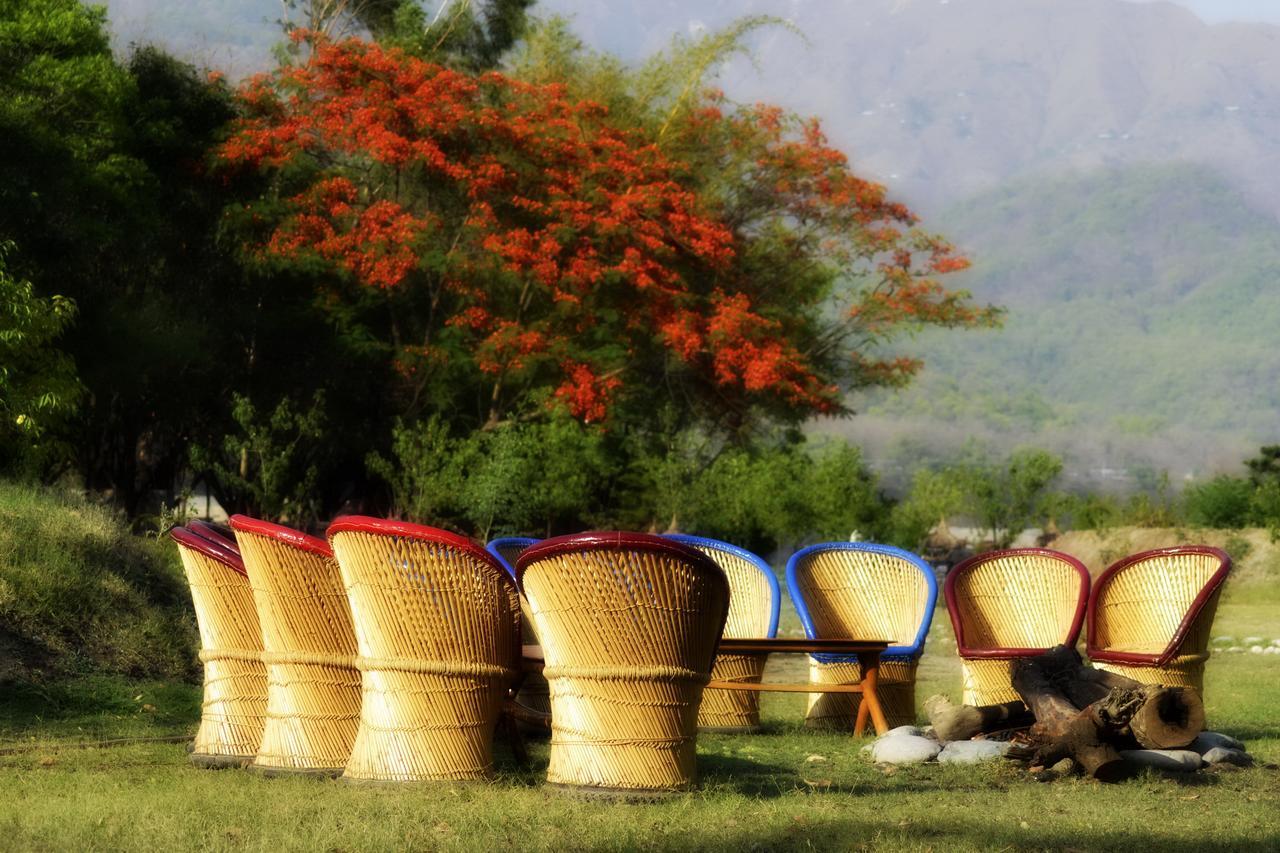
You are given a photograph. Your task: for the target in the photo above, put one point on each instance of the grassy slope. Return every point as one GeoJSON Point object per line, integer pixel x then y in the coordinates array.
{"type": "Point", "coordinates": [758, 792]}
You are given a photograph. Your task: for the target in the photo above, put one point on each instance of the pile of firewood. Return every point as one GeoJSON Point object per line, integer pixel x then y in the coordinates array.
{"type": "Point", "coordinates": [1070, 710]}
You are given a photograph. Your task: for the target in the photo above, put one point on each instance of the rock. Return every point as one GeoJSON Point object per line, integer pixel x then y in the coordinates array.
{"type": "Point", "coordinates": [1276, 643]}
{"type": "Point", "coordinates": [1257, 650]}
{"type": "Point", "coordinates": [1252, 641]}
{"type": "Point", "coordinates": [1206, 741]}
{"type": "Point", "coordinates": [1271, 650]}
{"type": "Point", "coordinates": [1177, 760]}
{"type": "Point", "coordinates": [972, 751]}
{"type": "Point", "coordinates": [906, 749]}
{"type": "Point", "coordinates": [903, 730]}
{"type": "Point", "coordinates": [1225, 755]}
{"type": "Point", "coordinates": [1224, 640]}
{"type": "Point", "coordinates": [1235, 649]}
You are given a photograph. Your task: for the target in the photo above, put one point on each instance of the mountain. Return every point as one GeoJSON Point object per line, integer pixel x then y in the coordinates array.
{"type": "Point", "coordinates": [1142, 307]}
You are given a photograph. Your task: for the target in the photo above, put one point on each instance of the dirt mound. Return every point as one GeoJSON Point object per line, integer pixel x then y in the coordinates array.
{"type": "Point", "coordinates": [1255, 557]}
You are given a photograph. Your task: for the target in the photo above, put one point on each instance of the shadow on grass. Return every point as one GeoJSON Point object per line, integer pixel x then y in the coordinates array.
{"type": "Point", "coordinates": [96, 706]}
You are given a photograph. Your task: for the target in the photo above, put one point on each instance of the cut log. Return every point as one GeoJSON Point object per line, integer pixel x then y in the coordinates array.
{"type": "Point", "coordinates": [961, 722]}
{"type": "Point", "coordinates": [1062, 730]}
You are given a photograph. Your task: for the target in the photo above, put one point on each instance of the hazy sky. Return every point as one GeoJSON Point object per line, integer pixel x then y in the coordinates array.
{"type": "Point", "coordinates": [1215, 11]}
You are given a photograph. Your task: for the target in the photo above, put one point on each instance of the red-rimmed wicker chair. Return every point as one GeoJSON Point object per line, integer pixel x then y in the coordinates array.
{"type": "Point", "coordinates": [629, 624]}
{"type": "Point", "coordinates": [1005, 605]}
{"type": "Point", "coordinates": [235, 679]}
{"type": "Point", "coordinates": [437, 623]}
{"type": "Point", "coordinates": [754, 603]}
{"type": "Point", "coordinates": [313, 686]}
{"type": "Point", "coordinates": [861, 590]}
{"type": "Point", "coordinates": [219, 533]}
{"type": "Point", "coordinates": [1150, 614]}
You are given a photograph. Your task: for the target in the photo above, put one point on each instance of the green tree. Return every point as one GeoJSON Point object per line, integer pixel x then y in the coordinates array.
{"type": "Point", "coordinates": [39, 390]}
{"type": "Point", "coordinates": [1007, 497]}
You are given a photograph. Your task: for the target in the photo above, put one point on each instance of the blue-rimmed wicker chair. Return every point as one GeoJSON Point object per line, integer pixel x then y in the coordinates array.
{"type": "Point", "coordinates": [629, 624]}
{"type": "Point", "coordinates": [1011, 604]}
{"type": "Point", "coordinates": [234, 710]}
{"type": "Point", "coordinates": [313, 686]}
{"type": "Point", "coordinates": [533, 693]}
{"type": "Point", "coordinates": [860, 590]}
{"type": "Point", "coordinates": [754, 602]}
{"type": "Point", "coordinates": [437, 623]}
{"type": "Point", "coordinates": [1150, 614]}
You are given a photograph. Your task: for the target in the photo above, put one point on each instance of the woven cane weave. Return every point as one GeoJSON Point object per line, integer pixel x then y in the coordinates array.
{"type": "Point", "coordinates": [437, 624]}
{"type": "Point", "coordinates": [629, 626]}
{"type": "Point", "coordinates": [313, 686]}
{"type": "Point", "coordinates": [1151, 615]}
{"type": "Point", "coordinates": [859, 590]}
{"type": "Point", "coordinates": [1010, 604]}
{"type": "Point", "coordinates": [233, 713]}
{"type": "Point", "coordinates": [754, 601]}
{"type": "Point", "coordinates": [534, 693]}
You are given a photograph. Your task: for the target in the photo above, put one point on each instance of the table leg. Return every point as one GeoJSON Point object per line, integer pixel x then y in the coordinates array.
{"type": "Point", "coordinates": [869, 663]}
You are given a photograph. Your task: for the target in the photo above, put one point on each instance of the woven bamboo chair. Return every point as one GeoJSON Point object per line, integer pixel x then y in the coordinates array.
{"type": "Point", "coordinates": [313, 686]}
{"type": "Point", "coordinates": [437, 622]}
{"type": "Point", "coordinates": [214, 532]}
{"type": "Point", "coordinates": [754, 602]}
{"type": "Point", "coordinates": [860, 590]}
{"type": "Point", "coordinates": [629, 625]}
{"type": "Point", "coordinates": [234, 710]}
{"type": "Point", "coordinates": [1011, 604]}
{"type": "Point", "coordinates": [534, 693]}
{"type": "Point", "coordinates": [1150, 614]}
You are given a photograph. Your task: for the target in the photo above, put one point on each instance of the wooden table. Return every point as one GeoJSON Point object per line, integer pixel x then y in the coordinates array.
{"type": "Point", "coordinates": [867, 651]}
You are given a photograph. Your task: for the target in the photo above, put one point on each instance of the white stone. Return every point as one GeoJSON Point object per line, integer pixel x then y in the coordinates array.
{"type": "Point", "coordinates": [1276, 643]}
{"type": "Point", "coordinates": [1257, 650]}
{"type": "Point", "coordinates": [1206, 741]}
{"type": "Point", "coordinates": [1224, 640]}
{"type": "Point", "coordinates": [1271, 650]}
{"type": "Point", "coordinates": [1221, 755]}
{"type": "Point", "coordinates": [1235, 649]}
{"type": "Point", "coordinates": [972, 751]}
{"type": "Point", "coordinates": [903, 730]}
{"type": "Point", "coordinates": [905, 749]}
{"type": "Point", "coordinates": [1252, 641]}
{"type": "Point", "coordinates": [1178, 760]}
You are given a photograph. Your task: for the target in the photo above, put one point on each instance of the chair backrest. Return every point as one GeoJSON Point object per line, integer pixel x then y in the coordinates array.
{"type": "Point", "coordinates": [296, 582]}
{"type": "Point", "coordinates": [508, 549]}
{"type": "Point", "coordinates": [417, 592]}
{"type": "Point", "coordinates": [220, 592]}
{"type": "Point", "coordinates": [1148, 605]}
{"type": "Point", "coordinates": [214, 533]}
{"type": "Point", "coordinates": [624, 600]}
{"type": "Point", "coordinates": [754, 598]}
{"type": "Point", "coordinates": [1016, 602]}
{"type": "Point", "coordinates": [864, 590]}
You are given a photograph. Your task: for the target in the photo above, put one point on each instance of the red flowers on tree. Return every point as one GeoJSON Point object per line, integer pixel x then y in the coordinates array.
{"type": "Point", "coordinates": [527, 244]}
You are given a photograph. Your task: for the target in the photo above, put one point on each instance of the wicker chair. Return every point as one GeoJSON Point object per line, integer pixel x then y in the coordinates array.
{"type": "Point", "coordinates": [534, 693]}
{"type": "Point", "coordinates": [1006, 605]}
{"type": "Point", "coordinates": [313, 689]}
{"type": "Point", "coordinates": [214, 532]}
{"type": "Point", "coordinates": [754, 602]}
{"type": "Point", "coordinates": [1150, 614]}
{"type": "Point", "coordinates": [437, 622]}
{"type": "Point", "coordinates": [629, 625]}
{"type": "Point", "coordinates": [860, 590]}
{"type": "Point", "coordinates": [235, 679]}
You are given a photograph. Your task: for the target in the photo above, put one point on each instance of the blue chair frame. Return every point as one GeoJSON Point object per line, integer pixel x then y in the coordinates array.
{"type": "Point", "coordinates": [510, 541]}
{"type": "Point", "coordinates": [907, 652]}
{"type": "Point", "coordinates": [752, 558]}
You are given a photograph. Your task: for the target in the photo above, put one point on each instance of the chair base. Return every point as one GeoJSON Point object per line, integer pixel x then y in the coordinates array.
{"type": "Point", "coordinates": [615, 795]}
{"type": "Point", "coordinates": [269, 772]}
{"type": "Point", "coordinates": [730, 730]}
{"type": "Point", "coordinates": [205, 761]}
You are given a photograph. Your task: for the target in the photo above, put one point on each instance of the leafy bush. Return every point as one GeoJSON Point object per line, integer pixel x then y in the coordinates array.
{"type": "Point", "coordinates": [1221, 502]}
{"type": "Point", "coordinates": [79, 594]}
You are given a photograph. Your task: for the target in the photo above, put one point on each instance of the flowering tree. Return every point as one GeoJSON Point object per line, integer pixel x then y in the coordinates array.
{"type": "Point", "coordinates": [517, 248]}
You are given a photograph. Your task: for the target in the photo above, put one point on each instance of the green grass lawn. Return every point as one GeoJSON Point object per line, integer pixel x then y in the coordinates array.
{"type": "Point", "coordinates": [786, 789]}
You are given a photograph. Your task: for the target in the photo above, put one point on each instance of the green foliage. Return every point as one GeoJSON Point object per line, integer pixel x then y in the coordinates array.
{"type": "Point", "coordinates": [39, 390]}
{"type": "Point", "coordinates": [1010, 496]}
{"type": "Point", "coordinates": [269, 466]}
{"type": "Point", "coordinates": [79, 594]}
{"type": "Point", "coordinates": [1223, 502]}
{"type": "Point", "coordinates": [934, 496]}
